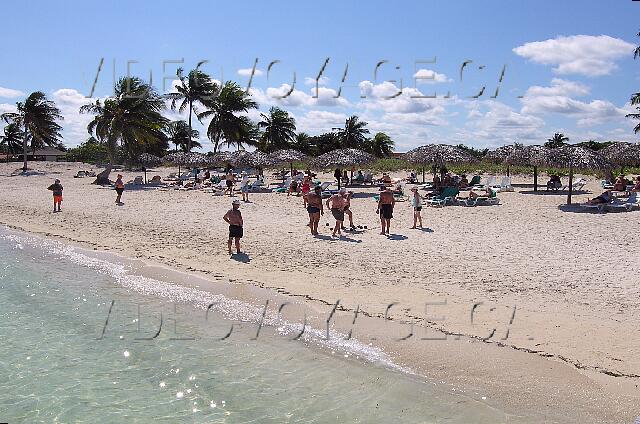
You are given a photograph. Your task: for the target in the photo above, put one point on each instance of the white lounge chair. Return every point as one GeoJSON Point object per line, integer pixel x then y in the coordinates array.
{"type": "Point", "coordinates": [505, 185]}
{"type": "Point", "coordinates": [576, 186]}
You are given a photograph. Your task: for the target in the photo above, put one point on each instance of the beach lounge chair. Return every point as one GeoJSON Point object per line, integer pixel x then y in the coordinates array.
{"type": "Point", "coordinates": [284, 187]}
{"type": "Point", "coordinates": [505, 185]}
{"type": "Point", "coordinates": [627, 205]}
{"type": "Point", "coordinates": [80, 174]}
{"type": "Point", "coordinates": [138, 180]}
{"type": "Point", "coordinates": [492, 199]}
{"type": "Point", "coordinates": [448, 196]}
{"type": "Point", "coordinates": [577, 185]}
{"type": "Point", "coordinates": [474, 181]}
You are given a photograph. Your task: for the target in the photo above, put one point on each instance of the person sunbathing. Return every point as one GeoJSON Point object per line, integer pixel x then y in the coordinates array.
{"type": "Point", "coordinates": [463, 183]}
{"type": "Point", "coordinates": [636, 187]}
{"type": "Point", "coordinates": [554, 182]}
{"type": "Point", "coordinates": [603, 198]}
{"type": "Point", "coordinates": [475, 195]}
{"type": "Point", "coordinates": [620, 184]}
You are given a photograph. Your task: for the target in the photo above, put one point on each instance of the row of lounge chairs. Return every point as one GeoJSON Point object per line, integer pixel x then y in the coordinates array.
{"type": "Point", "coordinates": [449, 196]}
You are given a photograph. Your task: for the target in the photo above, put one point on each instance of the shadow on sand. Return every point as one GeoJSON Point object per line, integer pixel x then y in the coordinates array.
{"type": "Point", "coordinates": [544, 192]}
{"type": "Point", "coordinates": [241, 257]}
{"type": "Point", "coordinates": [397, 237]}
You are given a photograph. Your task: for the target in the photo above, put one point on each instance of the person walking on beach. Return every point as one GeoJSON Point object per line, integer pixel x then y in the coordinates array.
{"type": "Point", "coordinates": [230, 180]}
{"type": "Point", "coordinates": [306, 189]}
{"type": "Point", "coordinates": [347, 204]}
{"type": "Point", "coordinates": [385, 209]}
{"type": "Point", "coordinates": [244, 187]}
{"type": "Point", "coordinates": [336, 204]}
{"type": "Point", "coordinates": [416, 202]}
{"type": "Point", "coordinates": [233, 217]}
{"type": "Point", "coordinates": [315, 209]}
{"type": "Point", "coordinates": [119, 189]}
{"type": "Point", "coordinates": [56, 188]}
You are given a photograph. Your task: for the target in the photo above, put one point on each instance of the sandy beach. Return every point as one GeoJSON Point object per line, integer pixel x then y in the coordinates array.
{"type": "Point", "coordinates": [538, 303]}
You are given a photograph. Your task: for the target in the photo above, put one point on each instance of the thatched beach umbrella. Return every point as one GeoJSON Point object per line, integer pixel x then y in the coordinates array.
{"type": "Point", "coordinates": [287, 156]}
{"type": "Point", "coordinates": [191, 159]}
{"type": "Point", "coordinates": [574, 157]}
{"type": "Point", "coordinates": [147, 159]}
{"type": "Point", "coordinates": [529, 156]}
{"type": "Point", "coordinates": [342, 158]}
{"type": "Point", "coordinates": [437, 154]}
{"type": "Point", "coordinates": [254, 159]}
{"type": "Point", "coordinates": [500, 155]}
{"type": "Point", "coordinates": [622, 154]}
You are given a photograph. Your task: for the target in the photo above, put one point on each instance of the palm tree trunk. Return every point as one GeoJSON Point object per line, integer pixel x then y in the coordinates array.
{"type": "Point", "coordinates": [103, 177]}
{"type": "Point", "coordinates": [24, 150]}
{"type": "Point", "coordinates": [570, 184]}
{"type": "Point", "coordinates": [190, 128]}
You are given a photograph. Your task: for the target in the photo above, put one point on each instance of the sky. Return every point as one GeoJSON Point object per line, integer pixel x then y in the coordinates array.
{"type": "Point", "coordinates": [568, 66]}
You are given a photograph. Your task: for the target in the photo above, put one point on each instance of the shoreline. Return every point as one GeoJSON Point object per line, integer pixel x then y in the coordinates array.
{"type": "Point", "coordinates": [408, 364]}
{"type": "Point", "coordinates": [557, 375]}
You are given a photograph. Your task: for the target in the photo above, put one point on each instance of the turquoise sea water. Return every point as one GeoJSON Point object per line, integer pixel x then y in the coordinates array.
{"type": "Point", "coordinates": [61, 363]}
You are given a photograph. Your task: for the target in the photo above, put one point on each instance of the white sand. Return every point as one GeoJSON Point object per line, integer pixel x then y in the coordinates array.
{"type": "Point", "coordinates": [573, 277]}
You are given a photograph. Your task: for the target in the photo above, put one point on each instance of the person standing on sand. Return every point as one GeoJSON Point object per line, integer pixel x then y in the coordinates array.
{"type": "Point", "coordinates": [230, 180]}
{"type": "Point", "coordinates": [315, 209]}
{"type": "Point", "coordinates": [416, 202]}
{"type": "Point", "coordinates": [119, 189]}
{"type": "Point", "coordinates": [306, 188]}
{"type": "Point", "coordinates": [56, 187]}
{"type": "Point", "coordinates": [385, 209]}
{"type": "Point", "coordinates": [336, 204]}
{"type": "Point", "coordinates": [347, 204]}
{"type": "Point", "coordinates": [233, 217]}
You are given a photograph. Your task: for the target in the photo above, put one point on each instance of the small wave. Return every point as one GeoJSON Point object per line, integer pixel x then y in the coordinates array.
{"type": "Point", "coordinates": [231, 309]}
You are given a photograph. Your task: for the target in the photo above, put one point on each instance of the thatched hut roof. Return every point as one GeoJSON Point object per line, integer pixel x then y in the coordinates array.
{"type": "Point", "coordinates": [342, 158]}
{"type": "Point", "coordinates": [438, 154]}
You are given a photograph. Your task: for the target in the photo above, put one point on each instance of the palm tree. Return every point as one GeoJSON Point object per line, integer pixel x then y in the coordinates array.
{"type": "Point", "coordinates": [196, 88]}
{"type": "Point", "coordinates": [178, 133]}
{"type": "Point", "coordinates": [635, 98]}
{"type": "Point", "coordinates": [36, 117]}
{"type": "Point", "coordinates": [223, 110]}
{"type": "Point", "coordinates": [131, 117]}
{"type": "Point", "coordinates": [636, 52]}
{"type": "Point", "coordinates": [279, 130]}
{"type": "Point", "coordinates": [354, 134]}
{"type": "Point", "coordinates": [380, 145]}
{"type": "Point", "coordinates": [242, 131]}
{"type": "Point", "coordinates": [558, 140]}
{"type": "Point", "coordinates": [302, 143]}
{"type": "Point", "coordinates": [11, 141]}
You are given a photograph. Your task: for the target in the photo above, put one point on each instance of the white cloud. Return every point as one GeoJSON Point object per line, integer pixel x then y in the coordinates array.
{"type": "Point", "coordinates": [577, 54]}
{"type": "Point", "coordinates": [10, 93]}
{"type": "Point", "coordinates": [499, 125]}
{"type": "Point", "coordinates": [74, 124]}
{"type": "Point", "coordinates": [556, 100]}
{"type": "Point", "coordinates": [297, 98]}
{"type": "Point", "coordinates": [427, 76]}
{"type": "Point", "coordinates": [319, 121]}
{"type": "Point", "coordinates": [6, 107]}
{"type": "Point", "coordinates": [559, 87]}
{"type": "Point", "coordinates": [247, 72]}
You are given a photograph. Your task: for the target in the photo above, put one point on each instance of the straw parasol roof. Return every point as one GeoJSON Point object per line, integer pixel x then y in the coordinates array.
{"type": "Point", "coordinates": [569, 156]}
{"type": "Point", "coordinates": [219, 158]}
{"type": "Point", "coordinates": [254, 159]}
{"type": "Point", "coordinates": [147, 159]}
{"type": "Point", "coordinates": [622, 154]}
{"type": "Point", "coordinates": [528, 156]}
{"type": "Point", "coordinates": [287, 156]}
{"type": "Point", "coordinates": [188, 159]}
{"type": "Point", "coordinates": [438, 154]}
{"type": "Point", "coordinates": [342, 158]}
{"type": "Point", "coordinates": [500, 154]}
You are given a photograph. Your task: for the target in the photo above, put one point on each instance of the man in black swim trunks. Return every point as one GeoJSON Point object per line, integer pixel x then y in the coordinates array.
{"type": "Point", "coordinates": [385, 209]}
{"type": "Point", "coordinates": [336, 204]}
{"type": "Point", "coordinates": [233, 217]}
{"type": "Point", "coordinates": [315, 209]}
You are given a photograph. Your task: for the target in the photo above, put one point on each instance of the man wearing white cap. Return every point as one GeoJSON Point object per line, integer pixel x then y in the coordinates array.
{"type": "Point", "coordinates": [233, 217]}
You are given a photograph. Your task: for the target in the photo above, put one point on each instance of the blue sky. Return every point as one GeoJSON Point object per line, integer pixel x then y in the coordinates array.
{"type": "Point", "coordinates": [571, 61]}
